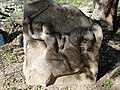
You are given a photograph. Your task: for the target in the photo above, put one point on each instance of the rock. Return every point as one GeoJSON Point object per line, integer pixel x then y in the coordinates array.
{"type": "Point", "coordinates": [83, 35]}
{"type": "Point", "coordinates": [18, 40]}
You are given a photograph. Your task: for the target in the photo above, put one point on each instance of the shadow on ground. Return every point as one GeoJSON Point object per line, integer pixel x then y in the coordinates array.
{"type": "Point", "coordinates": [9, 37]}
{"type": "Point", "coordinates": [109, 57]}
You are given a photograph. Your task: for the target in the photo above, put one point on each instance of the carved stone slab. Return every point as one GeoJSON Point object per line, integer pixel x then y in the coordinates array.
{"type": "Point", "coordinates": [83, 39]}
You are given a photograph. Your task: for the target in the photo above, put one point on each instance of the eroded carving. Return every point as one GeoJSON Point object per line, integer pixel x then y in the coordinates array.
{"type": "Point", "coordinates": [68, 49]}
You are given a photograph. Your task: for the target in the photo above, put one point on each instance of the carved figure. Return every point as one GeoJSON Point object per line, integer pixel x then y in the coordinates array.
{"type": "Point", "coordinates": [70, 48]}
{"type": "Point", "coordinates": [45, 32]}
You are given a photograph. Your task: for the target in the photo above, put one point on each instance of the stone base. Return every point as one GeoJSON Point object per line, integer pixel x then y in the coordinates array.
{"type": "Point", "coordinates": [72, 82]}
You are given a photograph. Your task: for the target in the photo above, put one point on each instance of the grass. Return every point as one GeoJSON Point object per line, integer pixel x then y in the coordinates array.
{"type": "Point", "coordinates": [14, 15]}
{"type": "Point", "coordinates": [38, 87]}
{"type": "Point", "coordinates": [118, 32]}
{"type": "Point", "coordinates": [67, 88]}
{"type": "Point", "coordinates": [108, 83]}
{"type": "Point", "coordinates": [77, 3]}
{"type": "Point", "coordinates": [10, 54]}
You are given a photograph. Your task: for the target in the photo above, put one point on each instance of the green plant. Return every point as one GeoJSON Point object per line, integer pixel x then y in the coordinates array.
{"type": "Point", "coordinates": [77, 3]}
{"type": "Point", "coordinates": [118, 32]}
{"type": "Point", "coordinates": [108, 83]}
{"type": "Point", "coordinates": [66, 88]}
{"type": "Point", "coordinates": [29, 87]}
{"type": "Point", "coordinates": [38, 87]}
{"type": "Point", "coordinates": [10, 54]}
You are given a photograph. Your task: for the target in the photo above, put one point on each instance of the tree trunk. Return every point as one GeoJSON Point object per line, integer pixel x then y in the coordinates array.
{"type": "Point", "coordinates": [105, 13]}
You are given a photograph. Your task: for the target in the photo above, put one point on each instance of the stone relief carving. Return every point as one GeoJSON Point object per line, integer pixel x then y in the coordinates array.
{"type": "Point", "coordinates": [59, 45]}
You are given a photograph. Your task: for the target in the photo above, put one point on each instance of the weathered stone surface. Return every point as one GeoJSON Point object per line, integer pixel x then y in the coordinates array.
{"type": "Point", "coordinates": [82, 36]}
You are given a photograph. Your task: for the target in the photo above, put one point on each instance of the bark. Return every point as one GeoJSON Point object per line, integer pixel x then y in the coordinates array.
{"type": "Point", "coordinates": [105, 13]}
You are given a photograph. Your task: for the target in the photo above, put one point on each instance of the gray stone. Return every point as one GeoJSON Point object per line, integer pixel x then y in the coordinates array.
{"type": "Point", "coordinates": [81, 47]}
